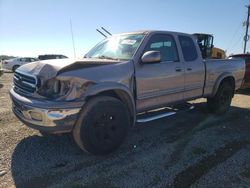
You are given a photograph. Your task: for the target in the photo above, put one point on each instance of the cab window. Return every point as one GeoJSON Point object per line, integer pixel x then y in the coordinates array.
{"type": "Point", "coordinates": [165, 44]}
{"type": "Point", "coordinates": [188, 48]}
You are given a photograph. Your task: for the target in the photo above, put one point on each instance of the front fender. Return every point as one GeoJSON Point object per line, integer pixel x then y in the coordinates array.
{"type": "Point", "coordinates": [106, 86]}
{"type": "Point", "coordinates": [124, 93]}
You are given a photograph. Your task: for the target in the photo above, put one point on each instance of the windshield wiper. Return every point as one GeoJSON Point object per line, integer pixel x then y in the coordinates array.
{"type": "Point", "coordinates": [107, 57]}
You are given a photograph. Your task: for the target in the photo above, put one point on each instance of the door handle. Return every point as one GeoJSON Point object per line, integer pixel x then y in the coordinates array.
{"type": "Point", "coordinates": [177, 69]}
{"type": "Point", "coordinates": [189, 69]}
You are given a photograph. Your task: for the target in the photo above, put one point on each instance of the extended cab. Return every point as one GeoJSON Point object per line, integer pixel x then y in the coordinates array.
{"type": "Point", "coordinates": [98, 98]}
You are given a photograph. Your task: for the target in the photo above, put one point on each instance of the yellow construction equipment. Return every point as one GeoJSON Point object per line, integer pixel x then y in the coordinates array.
{"type": "Point", "coordinates": [208, 51]}
{"type": "Point", "coordinates": [218, 53]}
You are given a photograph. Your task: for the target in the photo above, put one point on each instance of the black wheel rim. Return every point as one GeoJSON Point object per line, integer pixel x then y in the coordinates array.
{"type": "Point", "coordinates": [106, 129]}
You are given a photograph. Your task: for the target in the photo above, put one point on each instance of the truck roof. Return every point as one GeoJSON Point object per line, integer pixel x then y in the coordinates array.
{"type": "Point", "coordinates": [152, 31]}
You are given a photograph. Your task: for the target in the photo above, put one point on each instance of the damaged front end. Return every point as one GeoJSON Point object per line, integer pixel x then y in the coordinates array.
{"type": "Point", "coordinates": [60, 88]}
{"type": "Point", "coordinates": [49, 105]}
{"type": "Point", "coordinates": [49, 95]}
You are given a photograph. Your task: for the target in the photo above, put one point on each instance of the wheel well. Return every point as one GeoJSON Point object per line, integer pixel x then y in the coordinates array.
{"type": "Point", "coordinates": [229, 80]}
{"type": "Point", "coordinates": [120, 95]}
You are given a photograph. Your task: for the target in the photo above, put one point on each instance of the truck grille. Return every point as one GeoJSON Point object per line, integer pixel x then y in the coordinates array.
{"type": "Point", "coordinates": [24, 83]}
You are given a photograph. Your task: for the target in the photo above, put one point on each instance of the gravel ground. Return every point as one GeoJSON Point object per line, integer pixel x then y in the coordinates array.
{"type": "Point", "coordinates": [191, 149]}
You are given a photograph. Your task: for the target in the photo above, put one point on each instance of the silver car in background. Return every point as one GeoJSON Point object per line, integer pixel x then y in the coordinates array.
{"type": "Point", "coordinates": [13, 64]}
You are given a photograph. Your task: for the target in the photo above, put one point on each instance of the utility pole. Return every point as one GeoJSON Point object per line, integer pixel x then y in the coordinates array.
{"type": "Point", "coordinates": [246, 37]}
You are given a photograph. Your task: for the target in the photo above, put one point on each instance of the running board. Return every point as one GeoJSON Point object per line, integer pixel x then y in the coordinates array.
{"type": "Point", "coordinates": [162, 113]}
{"type": "Point", "coordinates": [152, 118]}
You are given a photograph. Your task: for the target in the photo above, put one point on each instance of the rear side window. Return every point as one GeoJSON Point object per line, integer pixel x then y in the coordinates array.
{"type": "Point", "coordinates": [22, 59]}
{"type": "Point", "coordinates": [188, 48]}
{"type": "Point", "coordinates": [27, 60]}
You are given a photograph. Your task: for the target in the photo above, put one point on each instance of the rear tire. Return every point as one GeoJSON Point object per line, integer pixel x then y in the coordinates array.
{"type": "Point", "coordinates": [15, 67]}
{"type": "Point", "coordinates": [102, 125]}
{"type": "Point", "coordinates": [221, 102]}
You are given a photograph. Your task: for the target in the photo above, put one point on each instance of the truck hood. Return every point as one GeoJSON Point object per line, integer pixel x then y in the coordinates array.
{"type": "Point", "coordinates": [50, 68]}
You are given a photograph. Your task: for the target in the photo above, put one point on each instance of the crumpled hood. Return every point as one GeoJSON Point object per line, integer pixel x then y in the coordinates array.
{"type": "Point", "coordinates": [50, 68]}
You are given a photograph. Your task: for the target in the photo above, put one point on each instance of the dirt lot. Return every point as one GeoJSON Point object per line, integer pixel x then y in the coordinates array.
{"type": "Point", "coordinates": [194, 149]}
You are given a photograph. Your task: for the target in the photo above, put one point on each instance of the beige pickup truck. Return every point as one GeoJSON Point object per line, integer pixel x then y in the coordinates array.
{"type": "Point", "coordinates": [99, 97]}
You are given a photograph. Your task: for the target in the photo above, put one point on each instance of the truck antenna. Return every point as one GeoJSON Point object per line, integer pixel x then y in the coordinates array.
{"type": "Point", "coordinates": [72, 37]}
{"type": "Point", "coordinates": [106, 31]}
{"type": "Point", "coordinates": [101, 33]}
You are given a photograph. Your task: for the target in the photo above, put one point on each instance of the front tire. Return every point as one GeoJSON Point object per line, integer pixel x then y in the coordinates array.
{"type": "Point", "coordinates": [221, 102]}
{"type": "Point", "coordinates": [102, 125]}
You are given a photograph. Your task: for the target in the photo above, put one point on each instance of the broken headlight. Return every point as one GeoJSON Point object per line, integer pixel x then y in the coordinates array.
{"type": "Point", "coordinates": [55, 88]}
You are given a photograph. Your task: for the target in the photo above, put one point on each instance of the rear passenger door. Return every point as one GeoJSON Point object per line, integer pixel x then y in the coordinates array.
{"type": "Point", "coordinates": [160, 83]}
{"type": "Point", "coordinates": [193, 66]}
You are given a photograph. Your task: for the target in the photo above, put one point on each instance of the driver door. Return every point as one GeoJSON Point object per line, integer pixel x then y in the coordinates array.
{"type": "Point", "coordinates": [160, 83]}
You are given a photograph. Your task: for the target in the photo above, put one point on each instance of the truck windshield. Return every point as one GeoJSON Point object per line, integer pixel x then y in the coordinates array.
{"type": "Point", "coordinates": [118, 47]}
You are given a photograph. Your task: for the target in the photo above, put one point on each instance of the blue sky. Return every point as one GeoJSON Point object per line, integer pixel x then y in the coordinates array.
{"type": "Point", "coordinates": [30, 28]}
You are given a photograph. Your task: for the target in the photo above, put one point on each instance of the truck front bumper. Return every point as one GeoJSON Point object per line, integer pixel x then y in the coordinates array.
{"type": "Point", "coordinates": [47, 116]}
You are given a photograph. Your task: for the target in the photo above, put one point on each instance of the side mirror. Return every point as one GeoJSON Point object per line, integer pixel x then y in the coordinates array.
{"type": "Point", "coordinates": [151, 57]}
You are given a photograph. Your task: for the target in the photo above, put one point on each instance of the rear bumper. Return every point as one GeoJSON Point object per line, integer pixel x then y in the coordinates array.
{"type": "Point", "coordinates": [51, 119]}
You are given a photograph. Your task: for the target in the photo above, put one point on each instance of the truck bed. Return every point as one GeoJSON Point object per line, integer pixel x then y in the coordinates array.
{"type": "Point", "coordinates": [216, 69]}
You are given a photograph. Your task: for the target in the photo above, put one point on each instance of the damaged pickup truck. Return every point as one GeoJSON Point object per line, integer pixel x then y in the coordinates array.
{"type": "Point", "coordinates": [99, 97]}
